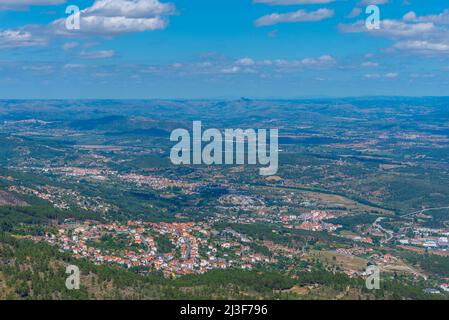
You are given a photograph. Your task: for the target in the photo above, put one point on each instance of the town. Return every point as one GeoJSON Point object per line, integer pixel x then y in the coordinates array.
{"type": "Point", "coordinates": [186, 248]}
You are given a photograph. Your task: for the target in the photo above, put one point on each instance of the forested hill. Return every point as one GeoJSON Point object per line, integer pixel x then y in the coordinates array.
{"type": "Point", "coordinates": [37, 271]}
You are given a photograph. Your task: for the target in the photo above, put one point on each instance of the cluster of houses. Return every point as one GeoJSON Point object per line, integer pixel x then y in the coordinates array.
{"type": "Point", "coordinates": [64, 199]}
{"type": "Point", "coordinates": [312, 221]}
{"type": "Point", "coordinates": [428, 238]}
{"type": "Point", "coordinates": [135, 245]}
{"type": "Point", "coordinates": [159, 182]}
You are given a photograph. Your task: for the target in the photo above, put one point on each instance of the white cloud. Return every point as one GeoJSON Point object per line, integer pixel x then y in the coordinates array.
{"type": "Point", "coordinates": [250, 65]}
{"type": "Point", "coordinates": [391, 28]}
{"type": "Point", "coordinates": [19, 38]}
{"type": "Point", "coordinates": [245, 62]}
{"type": "Point", "coordinates": [325, 59]}
{"type": "Point", "coordinates": [415, 34]}
{"type": "Point", "coordinates": [233, 69]}
{"type": "Point", "coordinates": [102, 74]}
{"type": "Point", "coordinates": [361, 5]}
{"type": "Point", "coordinates": [397, 28]}
{"type": "Point", "coordinates": [109, 17]}
{"type": "Point", "coordinates": [424, 46]}
{"type": "Point", "coordinates": [129, 8]}
{"type": "Point", "coordinates": [104, 17]}
{"type": "Point", "coordinates": [72, 66]}
{"type": "Point", "coordinates": [370, 64]}
{"type": "Point", "coordinates": [374, 2]}
{"type": "Point", "coordinates": [101, 54]}
{"type": "Point", "coordinates": [113, 25]}
{"type": "Point", "coordinates": [409, 16]}
{"type": "Point", "coordinates": [322, 61]}
{"type": "Point", "coordinates": [355, 12]}
{"type": "Point", "coordinates": [70, 45]}
{"type": "Point", "coordinates": [295, 16]}
{"type": "Point", "coordinates": [293, 2]}
{"type": "Point", "coordinates": [372, 76]}
{"type": "Point", "coordinates": [391, 75]}
{"type": "Point", "coordinates": [439, 19]}
{"type": "Point", "coordinates": [38, 68]}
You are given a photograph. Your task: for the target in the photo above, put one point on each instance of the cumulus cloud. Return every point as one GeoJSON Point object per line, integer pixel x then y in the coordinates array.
{"type": "Point", "coordinates": [409, 16]}
{"type": "Point", "coordinates": [113, 25]}
{"type": "Point", "coordinates": [423, 46]}
{"type": "Point", "coordinates": [129, 8]}
{"type": "Point", "coordinates": [390, 28]}
{"type": "Point", "coordinates": [104, 17]}
{"type": "Point", "coordinates": [442, 18]}
{"type": "Point", "coordinates": [109, 17]}
{"type": "Point", "coordinates": [295, 16]}
{"type": "Point", "coordinates": [415, 34]}
{"type": "Point", "coordinates": [19, 38]}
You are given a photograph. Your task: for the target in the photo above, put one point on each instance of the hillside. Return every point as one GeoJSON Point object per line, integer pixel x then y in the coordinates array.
{"type": "Point", "coordinates": [37, 271]}
{"type": "Point", "coordinates": [8, 199]}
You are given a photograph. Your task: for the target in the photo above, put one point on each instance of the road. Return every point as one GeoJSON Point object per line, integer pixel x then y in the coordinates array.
{"type": "Point", "coordinates": [423, 210]}
{"type": "Point", "coordinates": [390, 234]}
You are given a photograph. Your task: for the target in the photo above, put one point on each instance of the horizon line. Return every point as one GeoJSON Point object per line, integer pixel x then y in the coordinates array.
{"type": "Point", "coordinates": [231, 98]}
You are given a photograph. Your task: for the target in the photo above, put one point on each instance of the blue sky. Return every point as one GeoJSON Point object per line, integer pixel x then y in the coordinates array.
{"type": "Point", "coordinates": [223, 49]}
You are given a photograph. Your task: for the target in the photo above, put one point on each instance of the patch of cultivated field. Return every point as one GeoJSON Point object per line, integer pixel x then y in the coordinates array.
{"type": "Point", "coordinates": [346, 262]}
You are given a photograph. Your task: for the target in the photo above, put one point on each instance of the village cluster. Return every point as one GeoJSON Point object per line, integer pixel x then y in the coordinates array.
{"type": "Point", "coordinates": [152, 181]}
{"type": "Point", "coordinates": [188, 247]}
